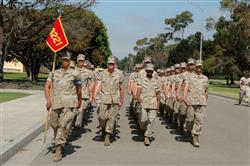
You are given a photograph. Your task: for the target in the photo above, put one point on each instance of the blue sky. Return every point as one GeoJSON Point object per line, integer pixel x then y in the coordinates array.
{"type": "Point", "coordinates": [130, 20]}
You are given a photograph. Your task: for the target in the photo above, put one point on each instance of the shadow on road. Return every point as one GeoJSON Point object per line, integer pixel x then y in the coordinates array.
{"type": "Point", "coordinates": [88, 116]}
{"type": "Point", "coordinates": [137, 134]}
{"type": "Point", "coordinates": [69, 148]}
{"type": "Point", "coordinates": [173, 129]}
{"type": "Point", "coordinates": [114, 137]}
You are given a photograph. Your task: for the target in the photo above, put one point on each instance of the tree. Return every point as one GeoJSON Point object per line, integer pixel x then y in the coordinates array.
{"type": "Point", "coordinates": [85, 31]}
{"type": "Point", "coordinates": [176, 26]}
{"type": "Point", "coordinates": [1, 42]}
{"type": "Point", "coordinates": [231, 40]}
{"type": "Point", "coordinates": [89, 36]}
{"type": "Point", "coordinates": [19, 17]}
{"type": "Point", "coordinates": [140, 44]}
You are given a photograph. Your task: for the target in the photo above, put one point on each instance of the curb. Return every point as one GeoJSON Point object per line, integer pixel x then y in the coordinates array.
{"type": "Point", "coordinates": [223, 96]}
{"type": "Point", "coordinates": [21, 141]}
{"type": "Point", "coordinates": [227, 97]}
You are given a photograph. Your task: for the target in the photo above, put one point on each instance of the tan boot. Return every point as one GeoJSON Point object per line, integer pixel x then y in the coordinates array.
{"type": "Point", "coordinates": [107, 140]}
{"type": "Point", "coordinates": [196, 141]}
{"type": "Point", "coordinates": [58, 155]}
{"type": "Point", "coordinates": [146, 141]}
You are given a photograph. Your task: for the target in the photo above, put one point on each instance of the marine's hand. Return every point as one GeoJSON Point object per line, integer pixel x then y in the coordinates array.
{"type": "Point", "coordinates": [121, 103]}
{"type": "Point", "coordinates": [90, 100]}
{"type": "Point", "coordinates": [79, 102]}
{"type": "Point", "coordinates": [48, 105]}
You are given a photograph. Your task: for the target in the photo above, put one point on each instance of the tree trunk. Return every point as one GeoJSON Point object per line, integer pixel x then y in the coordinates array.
{"type": "Point", "coordinates": [1, 45]}
{"type": "Point", "coordinates": [4, 50]}
{"type": "Point", "coordinates": [35, 72]}
{"type": "Point", "coordinates": [232, 81]}
{"type": "Point", "coordinates": [28, 71]}
{"type": "Point", "coordinates": [227, 80]}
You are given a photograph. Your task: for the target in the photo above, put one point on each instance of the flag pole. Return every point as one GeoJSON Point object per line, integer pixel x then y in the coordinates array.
{"type": "Point", "coordinates": [46, 124]}
{"type": "Point", "coordinates": [56, 40]}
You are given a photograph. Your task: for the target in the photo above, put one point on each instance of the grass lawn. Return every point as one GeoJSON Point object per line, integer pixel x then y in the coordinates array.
{"type": "Point", "coordinates": [20, 81]}
{"type": "Point", "coordinates": [218, 86]}
{"type": "Point", "coordinates": [7, 96]}
{"type": "Point", "coordinates": [21, 76]}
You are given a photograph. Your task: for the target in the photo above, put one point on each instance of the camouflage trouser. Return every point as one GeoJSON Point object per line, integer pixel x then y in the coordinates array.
{"type": "Point", "coordinates": [167, 107]}
{"type": "Point", "coordinates": [137, 109]}
{"type": "Point", "coordinates": [131, 100]}
{"type": "Point", "coordinates": [194, 118]}
{"type": "Point", "coordinates": [69, 125]}
{"type": "Point", "coordinates": [246, 94]}
{"type": "Point", "coordinates": [162, 107]}
{"type": "Point", "coordinates": [182, 113]}
{"type": "Point", "coordinates": [171, 107]}
{"type": "Point", "coordinates": [176, 109]}
{"type": "Point", "coordinates": [60, 119]}
{"type": "Point", "coordinates": [146, 120]}
{"type": "Point", "coordinates": [171, 104]}
{"type": "Point", "coordinates": [107, 116]}
{"type": "Point", "coordinates": [132, 104]}
{"type": "Point", "coordinates": [81, 112]}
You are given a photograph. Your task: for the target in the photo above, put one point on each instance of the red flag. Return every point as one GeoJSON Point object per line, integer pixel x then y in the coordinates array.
{"type": "Point", "coordinates": [57, 39]}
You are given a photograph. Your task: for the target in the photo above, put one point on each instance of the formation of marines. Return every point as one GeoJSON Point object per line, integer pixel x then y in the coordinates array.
{"type": "Point", "coordinates": [179, 93]}
{"type": "Point", "coordinates": [70, 91]}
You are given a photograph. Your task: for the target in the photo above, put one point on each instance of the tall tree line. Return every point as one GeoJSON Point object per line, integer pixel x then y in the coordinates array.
{"type": "Point", "coordinates": [25, 25]}
{"type": "Point", "coordinates": [226, 54]}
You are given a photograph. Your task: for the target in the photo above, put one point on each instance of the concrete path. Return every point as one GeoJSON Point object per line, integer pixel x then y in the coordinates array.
{"type": "Point", "coordinates": [224, 141]}
{"type": "Point", "coordinates": [21, 120]}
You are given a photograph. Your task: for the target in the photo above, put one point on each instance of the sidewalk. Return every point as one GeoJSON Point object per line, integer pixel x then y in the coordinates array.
{"type": "Point", "coordinates": [21, 121]}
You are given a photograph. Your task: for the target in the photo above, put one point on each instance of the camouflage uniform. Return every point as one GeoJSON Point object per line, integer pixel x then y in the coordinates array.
{"type": "Point", "coordinates": [144, 73]}
{"type": "Point", "coordinates": [196, 102]}
{"type": "Point", "coordinates": [109, 96]}
{"type": "Point", "coordinates": [176, 104]}
{"type": "Point", "coordinates": [171, 100]}
{"type": "Point", "coordinates": [148, 99]}
{"type": "Point", "coordinates": [136, 79]}
{"type": "Point", "coordinates": [167, 86]}
{"type": "Point", "coordinates": [86, 77]}
{"type": "Point", "coordinates": [245, 89]}
{"type": "Point", "coordinates": [162, 80]}
{"type": "Point", "coordinates": [132, 101]}
{"type": "Point", "coordinates": [183, 107]}
{"type": "Point", "coordinates": [64, 101]}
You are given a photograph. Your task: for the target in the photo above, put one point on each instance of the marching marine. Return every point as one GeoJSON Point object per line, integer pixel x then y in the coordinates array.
{"type": "Point", "coordinates": [149, 98]}
{"type": "Point", "coordinates": [86, 79]}
{"type": "Point", "coordinates": [195, 96]}
{"type": "Point", "coordinates": [110, 85]}
{"type": "Point", "coordinates": [65, 96]}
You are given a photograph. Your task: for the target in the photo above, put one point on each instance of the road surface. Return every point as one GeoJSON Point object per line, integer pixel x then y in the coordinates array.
{"type": "Point", "coordinates": [224, 141]}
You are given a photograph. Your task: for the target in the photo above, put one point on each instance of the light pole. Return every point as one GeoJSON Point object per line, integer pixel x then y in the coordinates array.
{"type": "Point", "coordinates": [201, 36]}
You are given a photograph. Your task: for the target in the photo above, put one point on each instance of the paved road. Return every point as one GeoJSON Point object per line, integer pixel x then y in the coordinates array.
{"type": "Point", "coordinates": [224, 141]}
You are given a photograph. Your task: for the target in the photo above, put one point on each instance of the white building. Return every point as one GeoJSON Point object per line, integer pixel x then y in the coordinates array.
{"type": "Point", "coordinates": [15, 66]}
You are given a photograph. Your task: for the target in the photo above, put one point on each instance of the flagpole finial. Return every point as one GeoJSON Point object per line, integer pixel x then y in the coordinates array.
{"type": "Point", "coordinates": [60, 11]}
